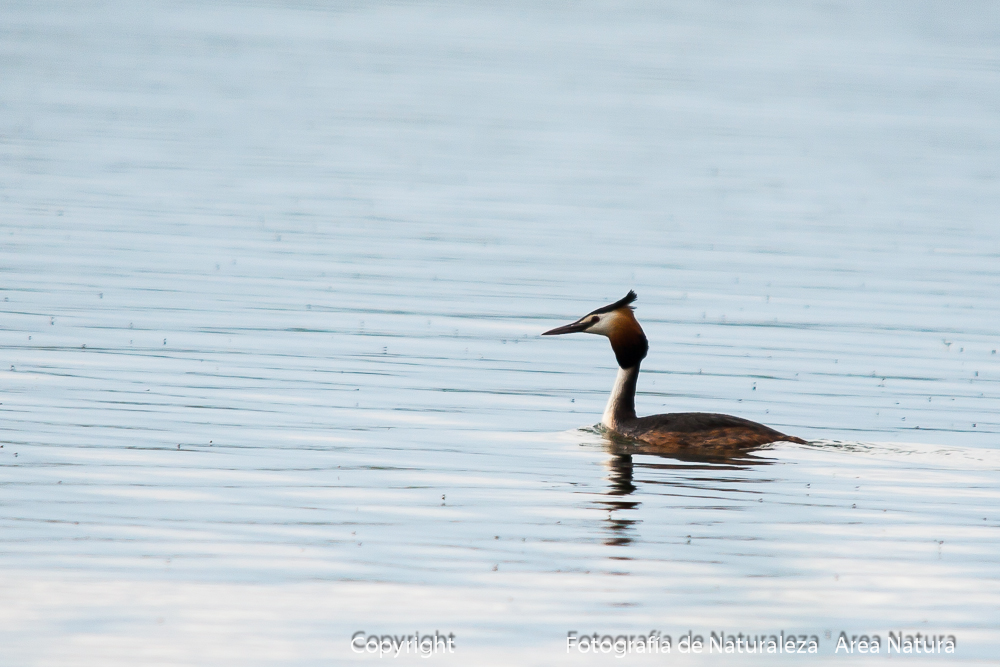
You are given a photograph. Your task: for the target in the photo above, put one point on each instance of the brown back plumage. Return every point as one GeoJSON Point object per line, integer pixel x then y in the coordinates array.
{"type": "Point", "coordinates": [703, 429]}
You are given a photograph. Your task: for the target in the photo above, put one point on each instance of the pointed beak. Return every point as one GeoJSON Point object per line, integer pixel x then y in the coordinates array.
{"type": "Point", "coordinates": [569, 328]}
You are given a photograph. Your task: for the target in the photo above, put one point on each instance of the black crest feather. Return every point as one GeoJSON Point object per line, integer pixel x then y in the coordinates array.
{"type": "Point", "coordinates": [620, 303]}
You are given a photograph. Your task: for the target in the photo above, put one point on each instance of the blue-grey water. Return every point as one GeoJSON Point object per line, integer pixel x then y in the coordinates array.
{"type": "Point", "coordinates": [271, 282]}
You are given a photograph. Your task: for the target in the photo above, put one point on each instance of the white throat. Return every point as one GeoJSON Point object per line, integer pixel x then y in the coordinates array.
{"type": "Point", "coordinates": [621, 403]}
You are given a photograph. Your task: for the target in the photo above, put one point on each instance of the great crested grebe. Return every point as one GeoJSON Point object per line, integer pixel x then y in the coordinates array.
{"type": "Point", "coordinates": [679, 430]}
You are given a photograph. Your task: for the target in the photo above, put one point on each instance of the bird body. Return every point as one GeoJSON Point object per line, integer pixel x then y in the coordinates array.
{"type": "Point", "coordinates": [674, 431]}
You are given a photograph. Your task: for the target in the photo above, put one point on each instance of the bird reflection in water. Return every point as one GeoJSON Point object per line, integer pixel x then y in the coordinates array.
{"type": "Point", "coordinates": [621, 530]}
{"type": "Point", "coordinates": [621, 485]}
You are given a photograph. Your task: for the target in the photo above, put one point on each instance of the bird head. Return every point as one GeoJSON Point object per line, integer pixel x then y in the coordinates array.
{"type": "Point", "coordinates": [617, 322]}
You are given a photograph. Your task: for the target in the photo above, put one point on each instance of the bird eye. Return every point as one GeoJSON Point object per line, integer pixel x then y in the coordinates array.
{"type": "Point", "coordinates": [595, 320]}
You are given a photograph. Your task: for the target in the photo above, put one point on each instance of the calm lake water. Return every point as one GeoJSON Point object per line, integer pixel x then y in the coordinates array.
{"type": "Point", "coordinates": [272, 277]}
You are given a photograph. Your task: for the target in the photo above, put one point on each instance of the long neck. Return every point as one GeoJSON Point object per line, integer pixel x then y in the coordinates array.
{"type": "Point", "coordinates": [621, 404]}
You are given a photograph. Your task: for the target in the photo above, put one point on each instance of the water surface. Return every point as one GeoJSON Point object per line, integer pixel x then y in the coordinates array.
{"type": "Point", "coordinates": [272, 282]}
